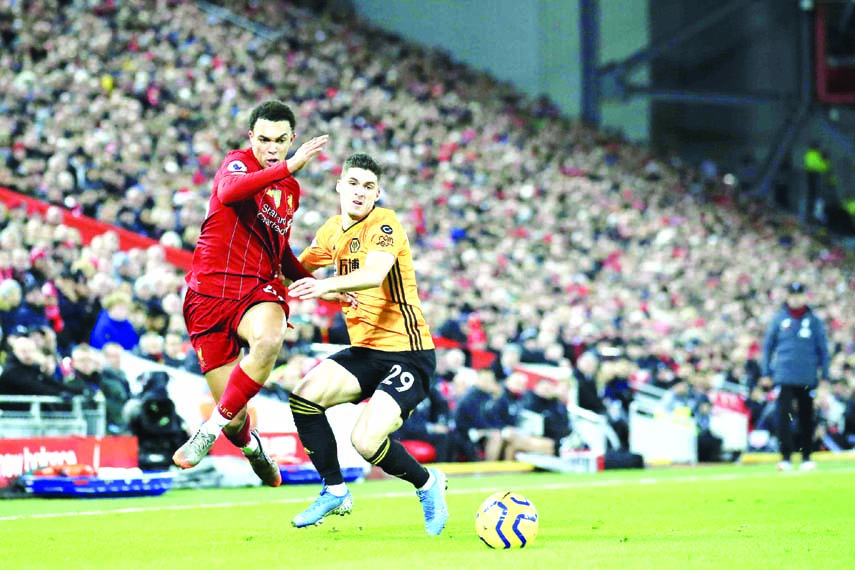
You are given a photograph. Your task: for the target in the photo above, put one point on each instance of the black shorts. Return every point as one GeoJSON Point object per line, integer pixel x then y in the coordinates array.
{"type": "Point", "coordinates": [406, 376]}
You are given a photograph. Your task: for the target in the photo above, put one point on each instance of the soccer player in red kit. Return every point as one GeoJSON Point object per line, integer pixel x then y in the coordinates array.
{"type": "Point", "coordinates": [235, 298]}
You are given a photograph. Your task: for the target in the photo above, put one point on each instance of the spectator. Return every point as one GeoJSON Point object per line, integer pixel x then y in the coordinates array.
{"type": "Point", "coordinates": [431, 423]}
{"type": "Point", "coordinates": [150, 347]}
{"type": "Point", "coordinates": [31, 312]}
{"type": "Point", "coordinates": [156, 319]}
{"type": "Point", "coordinates": [453, 377]}
{"type": "Point", "coordinates": [77, 307]}
{"type": "Point", "coordinates": [46, 343]}
{"type": "Point", "coordinates": [547, 401]}
{"type": "Point", "coordinates": [761, 405]}
{"type": "Point", "coordinates": [516, 428]}
{"type": "Point", "coordinates": [613, 377]}
{"type": "Point", "coordinates": [832, 402]}
{"type": "Point", "coordinates": [477, 435]}
{"type": "Point", "coordinates": [113, 353]}
{"type": "Point", "coordinates": [84, 377]}
{"type": "Point", "coordinates": [10, 300]}
{"type": "Point", "coordinates": [505, 409]}
{"type": "Point", "coordinates": [678, 400]}
{"type": "Point", "coordinates": [115, 385]}
{"type": "Point", "coordinates": [22, 373]}
{"type": "Point", "coordinates": [175, 353]}
{"type": "Point", "coordinates": [285, 377]}
{"type": "Point", "coordinates": [507, 361]}
{"type": "Point", "coordinates": [585, 374]}
{"type": "Point", "coordinates": [795, 350]}
{"type": "Point", "coordinates": [587, 391]}
{"type": "Point", "coordinates": [113, 324]}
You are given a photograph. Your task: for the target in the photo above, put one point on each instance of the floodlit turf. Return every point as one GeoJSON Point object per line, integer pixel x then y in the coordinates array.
{"type": "Point", "coordinates": [708, 517]}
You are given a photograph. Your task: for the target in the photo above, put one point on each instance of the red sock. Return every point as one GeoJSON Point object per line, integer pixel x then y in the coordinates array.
{"type": "Point", "coordinates": [241, 438]}
{"type": "Point", "coordinates": [239, 390]}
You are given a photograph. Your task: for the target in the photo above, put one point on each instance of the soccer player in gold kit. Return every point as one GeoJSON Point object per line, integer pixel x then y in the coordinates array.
{"type": "Point", "coordinates": [391, 359]}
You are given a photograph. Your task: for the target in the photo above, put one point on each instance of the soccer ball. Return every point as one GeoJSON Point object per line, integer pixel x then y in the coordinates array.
{"type": "Point", "coordinates": [506, 520]}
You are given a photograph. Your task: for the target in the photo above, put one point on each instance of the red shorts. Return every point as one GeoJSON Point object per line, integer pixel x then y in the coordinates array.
{"type": "Point", "coordinates": [213, 322]}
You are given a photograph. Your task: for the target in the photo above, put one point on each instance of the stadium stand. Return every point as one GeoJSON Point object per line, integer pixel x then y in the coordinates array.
{"type": "Point", "coordinates": [529, 228]}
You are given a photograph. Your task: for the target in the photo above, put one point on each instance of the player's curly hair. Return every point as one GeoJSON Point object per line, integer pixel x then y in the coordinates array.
{"type": "Point", "coordinates": [273, 111]}
{"type": "Point", "coordinates": [365, 162]}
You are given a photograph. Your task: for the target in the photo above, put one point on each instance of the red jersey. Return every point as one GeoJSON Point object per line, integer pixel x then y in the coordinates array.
{"type": "Point", "coordinates": [245, 238]}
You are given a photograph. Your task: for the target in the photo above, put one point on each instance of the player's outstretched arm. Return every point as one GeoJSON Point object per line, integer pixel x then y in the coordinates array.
{"type": "Point", "coordinates": [377, 266]}
{"type": "Point", "coordinates": [239, 185]}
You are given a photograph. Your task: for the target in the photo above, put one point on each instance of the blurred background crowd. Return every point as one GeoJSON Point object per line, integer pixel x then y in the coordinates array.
{"type": "Point", "coordinates": [535, 238]}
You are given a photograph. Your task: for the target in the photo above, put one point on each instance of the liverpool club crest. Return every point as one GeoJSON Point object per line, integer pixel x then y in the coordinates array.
{"type": "Point", "coordinates": [276, 194]}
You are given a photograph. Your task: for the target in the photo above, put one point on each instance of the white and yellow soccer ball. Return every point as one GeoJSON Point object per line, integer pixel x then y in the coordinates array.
{"type": "Point", "coordinates": [506, 520]}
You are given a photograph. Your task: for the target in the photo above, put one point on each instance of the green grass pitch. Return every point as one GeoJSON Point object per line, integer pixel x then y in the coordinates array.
{"type": "Point", "coordinates": [725, 517]}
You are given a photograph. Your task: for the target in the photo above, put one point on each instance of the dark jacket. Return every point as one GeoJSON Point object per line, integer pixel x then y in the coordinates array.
{"type": "Point", "coordinates": [431, 411]}
{"type": "Point", "coordinates": [587, 394]}
{"type": "Point", "coordinates": [22, 379]}
{"type": "Point", "coordinates": [794, 349]}
{"type": "Point", "coordinates": [472, 411]}
{"type": "Point", "coordinates": [19, 379]}
{"type": "Point", "coordinates": [505, 410]}
{"type": "Point", "coordinates": [556, 419]}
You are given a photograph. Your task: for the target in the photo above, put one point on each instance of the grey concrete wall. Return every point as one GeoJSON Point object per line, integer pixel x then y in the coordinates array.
{"type": "Point", "coordinates": [531, 43]}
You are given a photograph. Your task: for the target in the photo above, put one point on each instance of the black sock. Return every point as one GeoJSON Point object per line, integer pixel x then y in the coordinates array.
{"type": "Point", "coordinates": [394, 459]}
{"type": "Point", "coordinates": [317, 438]}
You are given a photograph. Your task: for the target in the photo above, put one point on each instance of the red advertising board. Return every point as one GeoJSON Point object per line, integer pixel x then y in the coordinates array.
{"type": "Point", "coordinates": [18, 456]}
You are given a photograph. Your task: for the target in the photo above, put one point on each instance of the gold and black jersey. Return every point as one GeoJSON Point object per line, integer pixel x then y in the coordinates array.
{"type": "Point", "coordinates": [388, 317]}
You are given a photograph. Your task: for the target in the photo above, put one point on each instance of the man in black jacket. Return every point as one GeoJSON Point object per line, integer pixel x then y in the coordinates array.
{"type": "Point", "coordinates": [588, 397]}
{"type": "Point", "coordinates": [22, 374]}
{"type": "Point", "coordinates": [476, 433]}
{"type": "Point", "coordinates": [87, 378]}
{"type": "Point", "coordinates": [547, 400]}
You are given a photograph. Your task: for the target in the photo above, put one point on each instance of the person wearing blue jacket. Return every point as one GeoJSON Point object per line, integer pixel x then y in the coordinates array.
{"type": "Point", "coordinates": [795, 352]}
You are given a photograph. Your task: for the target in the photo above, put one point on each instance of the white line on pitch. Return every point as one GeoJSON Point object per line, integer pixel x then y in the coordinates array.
{"type": "Point", "coordinates": [398, 494]}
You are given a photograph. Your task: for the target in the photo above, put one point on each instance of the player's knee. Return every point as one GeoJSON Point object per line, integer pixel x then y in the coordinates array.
{"type": "Point", "coordinates": [366, 444]}
{"type": "Point", "coordinates": [310, 390]}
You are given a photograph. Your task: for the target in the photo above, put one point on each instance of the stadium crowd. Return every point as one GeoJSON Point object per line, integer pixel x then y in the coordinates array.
{"type": "Point", "coordinates": [530, 230]}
